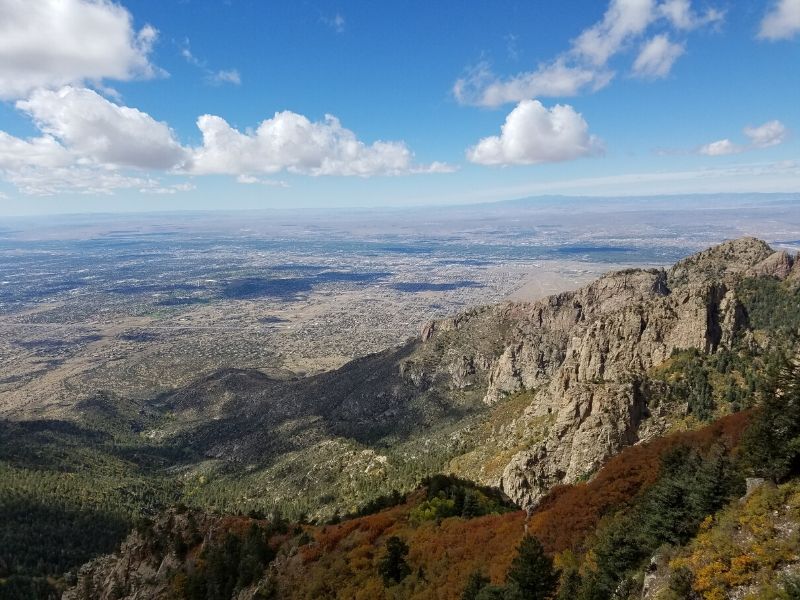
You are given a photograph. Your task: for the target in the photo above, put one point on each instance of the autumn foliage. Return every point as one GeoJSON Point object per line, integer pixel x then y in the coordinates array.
{"type": "Point", "coordinates": [341, 560]}
{"type": "Point", "coordinates": [570, 512]}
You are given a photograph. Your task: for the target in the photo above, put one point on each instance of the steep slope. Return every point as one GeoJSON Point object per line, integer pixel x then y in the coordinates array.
{"type": "Point", "coordinates": [524, 396]}
{"type": "Point", "coordinates": [578, 360]}
{"type": "Point", "coordinates": [624, 324]}
{"type": "Point", "coordinates": [178, 555]}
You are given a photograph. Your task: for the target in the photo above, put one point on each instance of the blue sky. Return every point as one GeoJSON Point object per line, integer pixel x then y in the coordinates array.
{"type": "Point", "coordinates": [202, 104]}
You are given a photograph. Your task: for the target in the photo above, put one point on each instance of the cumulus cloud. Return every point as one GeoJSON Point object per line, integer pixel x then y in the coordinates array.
{"type": "Point", "coordinates": [51, 50]}
{"type": "Point", "coordinates": [771, 133]}
{"type": "Point", "coordinates": [42, 166]}
{"type": "Point", "coordinates": [87, 142]}
{"type": "Point", "coordinates": [721, 148]}
{"type": "Point", "coordinates": [782, 21]}
{"type": "Point", "coordinates": [50, 43]}
{"type": "Point", "coordinates": [292, 142]}
{"type": "Point", "coordinates": [44, 151]}
{"type": "Point", "coordinates": [584, 67]}
{"type": "Point", "coordinates": [656, 57]}
{"type": "Point", "coordinates": [99, 131]}
{"type": "Point", "coordinates": [534, 134]}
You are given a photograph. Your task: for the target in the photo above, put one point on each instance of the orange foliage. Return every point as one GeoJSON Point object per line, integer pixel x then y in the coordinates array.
{"type": "Point", "coordinates": [569, 512]}
{"type": "Point", "coordinates": [341, 562]}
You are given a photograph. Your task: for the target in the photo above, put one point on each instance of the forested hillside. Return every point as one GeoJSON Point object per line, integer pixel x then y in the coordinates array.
{"type": "Point", "coordinates": [613, 415]}
{"type": "Point", "coordinates": [665, 516]}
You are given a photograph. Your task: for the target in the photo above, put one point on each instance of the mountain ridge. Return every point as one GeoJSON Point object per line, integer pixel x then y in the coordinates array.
{"type": "Point", "coordinates": [583, 352]}
{"type": "Point", "coordinates": [523, 396]}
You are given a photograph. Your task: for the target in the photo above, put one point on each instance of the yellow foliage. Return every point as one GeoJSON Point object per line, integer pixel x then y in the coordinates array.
{"type": "Point", "coordinates": [745, 544]}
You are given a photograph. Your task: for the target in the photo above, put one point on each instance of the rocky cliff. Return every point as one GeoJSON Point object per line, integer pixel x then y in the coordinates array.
{"type": "Point", "coordinates": [579, 357]}
{"type": "Point", "coordinates": [586, 352]}
{"type": "Point", "coordinates": [522, 396]}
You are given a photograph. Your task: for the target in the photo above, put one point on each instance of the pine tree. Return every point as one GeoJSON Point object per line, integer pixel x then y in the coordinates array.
{"type": "Point", "coordinates": [771, 446]}
{"type": "Point", "coordinates": [496, 592]}
{"type": "Point", "coordinates": [393, 566]}
{"type": "Point", "coordinates": [472, 507]}
{"type": "Point", "coordinates": [570, 585]}
{"type": "Point", "coordinates": [476, 582]}
{"type": "Point", "coordinates": [532, 571]}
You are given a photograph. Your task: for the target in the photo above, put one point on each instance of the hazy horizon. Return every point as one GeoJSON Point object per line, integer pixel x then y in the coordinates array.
{"type": "Point", "coordinates": [723, 198]}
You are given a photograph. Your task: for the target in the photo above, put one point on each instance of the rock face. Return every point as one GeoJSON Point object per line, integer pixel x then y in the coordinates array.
{"type": "Point", "coordinates": [146, 562]}
{"type": "Point", "coordinates": [133, 573]}
{"type": "Point", "coordinates": [585, 352]}
{"type": "Point", "coordinates": [579, 357]}
{"type": "Point", "coordinates": [777, 265]}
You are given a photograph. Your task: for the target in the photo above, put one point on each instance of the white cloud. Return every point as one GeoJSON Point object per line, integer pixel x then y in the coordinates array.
{"type": "Point", "coordinates": [50, 43]}
{"type": "Point", "coordinates": [16, 153]}
{"type": "Point", "coordinates": [656, 57]}
{"type": "Point", "coordinates": [721, 148]}
{"type": "Point", "coordinates": [37, 182]}
{"type": "Point", "coordinates": [251, 180]}
{"type": "Point", "coordinates": [769, 134]}
{"type": "Point", "coordinates": [512, 48]}
{"type": "Point", "coordinates": [481, 87]}
{"type": "Point", "coordinates": [681, 16]}
{"type": "Point", "coordinates": [156, 188]}
{"type": "Point", "coordinates": [225, 76]}
{"type": "Point", "coordinates": [782, 21]}
{"type": "Point", "coordinates": [211, 77]}
{"type": "Point", "coordinates": [533, 134]}
{"type": "Point", "coordinates": [289, 141]}
{"type": "Point", "coordinates": [88, 143]}
{"type": "Point", "coordinates": [101, 132]}
{"type": "Point", "coordinates": [42, 166]}
{"type": "Point", "coordinates": [623, 20]}
{"type": "Point", "coordinates": [189, 57]}
{"type": "Point", "coordinates": [585, 65]}
{"type": "Point", "coordinates": [434, 167]}
{"type": "Point", "coordinates": [337, 22]}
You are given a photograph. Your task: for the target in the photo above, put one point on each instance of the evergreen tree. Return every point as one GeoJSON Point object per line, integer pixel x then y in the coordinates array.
{"type": "Point", "coordinates": [496, 592]}
{"type": "Point", "coordinates": [532, 571]}
{"type": "Point", "coordinates": [393, 566]}
{"type": "Point", "coordinates": [472, 507]}
{"type": "Point", "coordinates": [771, 446]}
{"type": "Point", "coordinates": [476, 582]}
{"type": "Point", "coordinates": [791, 587]}
{"type": "Point", "coordinates": [570, 585]}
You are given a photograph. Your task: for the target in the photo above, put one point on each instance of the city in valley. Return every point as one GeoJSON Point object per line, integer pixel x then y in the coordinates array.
{"type": "Point", "coordinates": [142, 304]}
